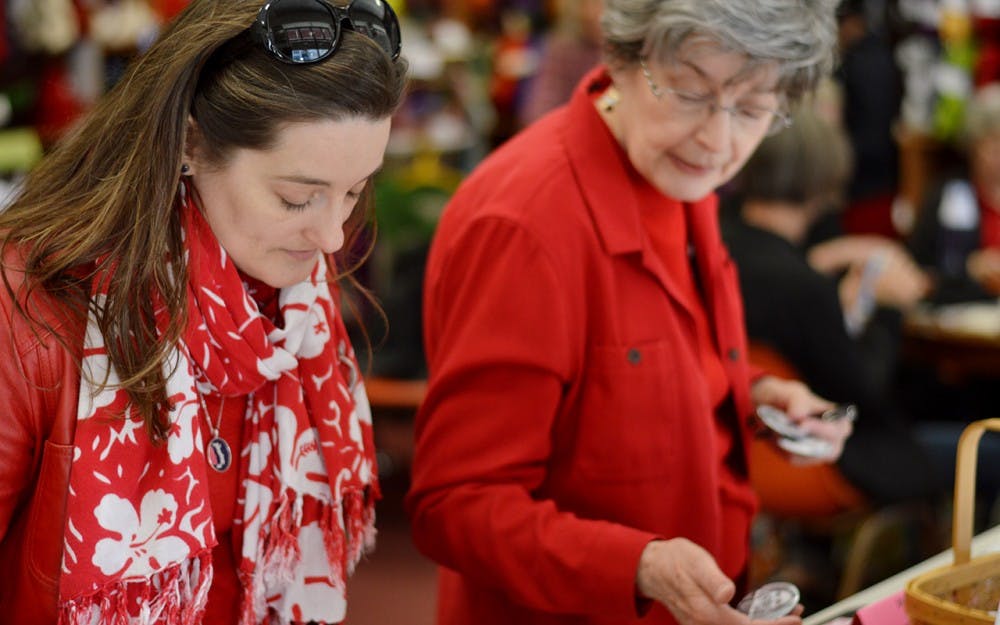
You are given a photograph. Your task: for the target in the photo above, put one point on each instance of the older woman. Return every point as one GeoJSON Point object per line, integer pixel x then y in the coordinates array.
{"type": "Point", "coordinates": [958, 229]}
{"type": "Point", "coordinates": [581, 449]}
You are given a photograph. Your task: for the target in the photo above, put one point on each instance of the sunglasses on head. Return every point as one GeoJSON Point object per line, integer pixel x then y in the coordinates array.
{"type": "Point", "coordinates": [300, 32]}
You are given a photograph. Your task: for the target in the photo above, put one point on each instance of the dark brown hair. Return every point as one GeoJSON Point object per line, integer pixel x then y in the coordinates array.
{"type": "Point", "coordinates": [106, 197]}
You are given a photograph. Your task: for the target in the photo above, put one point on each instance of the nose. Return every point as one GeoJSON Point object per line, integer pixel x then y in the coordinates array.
{"type": "Point", "coordinates": [715, 132]}
{"type": "Point", "coordinates": [327, 229]}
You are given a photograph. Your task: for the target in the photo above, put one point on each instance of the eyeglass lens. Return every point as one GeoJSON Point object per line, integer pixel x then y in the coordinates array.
{"type": "Point", "coordinates": [302, 31]}
{"type": "Point", "coordinates": [306, 31]}
{"type": "Point", "coordinates": [375, 19]}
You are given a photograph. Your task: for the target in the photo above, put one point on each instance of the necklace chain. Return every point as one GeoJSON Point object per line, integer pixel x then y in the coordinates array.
{"type": "Point", "coordinates": [213, 430]}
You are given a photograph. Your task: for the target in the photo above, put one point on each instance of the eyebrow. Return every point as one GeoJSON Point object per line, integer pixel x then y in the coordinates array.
{"type": "Point", "coordinates": [316, 182]}
{"type": "Point", "coordinates": [735, 78]}
{"type": "Point", "coordinates": [319, 182]}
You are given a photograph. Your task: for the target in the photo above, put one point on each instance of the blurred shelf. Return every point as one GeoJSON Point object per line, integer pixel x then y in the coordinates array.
{"type": "Point", "coordinates": [395, 393]}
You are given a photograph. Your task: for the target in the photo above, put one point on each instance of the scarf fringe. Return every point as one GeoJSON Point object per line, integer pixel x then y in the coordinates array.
{"type": "Point", "coordinates": [359, 522]}
{"type": "Point", "coordinates": [174, 596]}
{"type": "Point", "coordinates": [348, 534]}
{"type": "Point", "coordinates": [281, 553]}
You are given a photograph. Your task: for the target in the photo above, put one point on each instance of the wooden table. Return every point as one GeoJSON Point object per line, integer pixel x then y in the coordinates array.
{"type": "Point", "coordinates": [957, 355]}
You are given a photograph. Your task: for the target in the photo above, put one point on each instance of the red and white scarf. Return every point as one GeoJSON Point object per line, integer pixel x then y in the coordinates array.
{"type": "Point", "coordinates": [139, 529]}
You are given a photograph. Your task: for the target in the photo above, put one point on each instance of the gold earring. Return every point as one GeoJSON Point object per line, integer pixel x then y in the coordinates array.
{"type": "Point", "coordinates": [609, 99]}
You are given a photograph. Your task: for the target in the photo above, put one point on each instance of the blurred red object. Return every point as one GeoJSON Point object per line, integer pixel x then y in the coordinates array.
{"type": "Point", "coordinates": [987, 67]}
{"type": "Point", "coordinates": [3, 32]}
{"type": "Point", "coordinates": [168, 9]}
{"type": "Point", "coordinates": [870, 215]}
{"type": "Point", "coordinates": [57, 105]}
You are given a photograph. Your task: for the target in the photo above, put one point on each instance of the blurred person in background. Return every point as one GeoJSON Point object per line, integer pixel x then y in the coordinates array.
{"type": "Point", "coordinates": [581, 453]}
{"type": "Point", "coordinates": [802, 313]}
{"type": "Point", "coordinates": [798, 308]}
{"type": "Point", "coordinates": [567, 54]}
{"type": "Point", "coordinates": [871, 89]}
{"type": "Point", "coordinates": [957, 234]}
{"type": "Point", "coordinates": [184, 437]}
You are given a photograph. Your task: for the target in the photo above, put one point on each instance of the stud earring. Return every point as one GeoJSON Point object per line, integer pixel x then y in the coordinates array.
{"type": "Point", "coordinates": [185, 169]}
{"type": "Point", "coordinates": [609, 99]}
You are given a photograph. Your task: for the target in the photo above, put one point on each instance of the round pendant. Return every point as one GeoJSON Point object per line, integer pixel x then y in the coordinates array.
{"type": "Point", "coordinates": [219, 454]}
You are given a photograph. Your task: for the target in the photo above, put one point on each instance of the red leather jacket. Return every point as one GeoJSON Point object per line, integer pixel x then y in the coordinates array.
{"type": "Point", "coordinates": [39, 384]}
{"type": "Point", "coordinates": [39, 388]}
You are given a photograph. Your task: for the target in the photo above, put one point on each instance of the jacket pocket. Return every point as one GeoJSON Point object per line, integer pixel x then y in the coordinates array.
{"type": "Point", "coordinates": [628, 413]}
{"type": "Point", "coordinates": [48, 514]}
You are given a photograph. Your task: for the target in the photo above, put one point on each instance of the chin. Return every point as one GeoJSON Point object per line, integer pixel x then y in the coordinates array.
{"type": "Point", "coordinates": [684, 187]}
{"type": "Point", "coordinates": [280, 280]}
{"type": "Point", "coordinates": [687, 192]}
{"type": "Point", "coordinates": [286, 281]}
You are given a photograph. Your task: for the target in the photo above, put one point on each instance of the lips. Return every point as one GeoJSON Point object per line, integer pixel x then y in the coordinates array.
{"type": "Point", "coordinates": [691, 168]}
{"type": "Point", "coordinates": [303, 255]}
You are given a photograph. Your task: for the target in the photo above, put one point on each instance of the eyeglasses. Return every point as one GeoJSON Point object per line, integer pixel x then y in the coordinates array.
{"type": "Point", "coordinates": [300, 32]}
{"type": "Point", "coordinates": [702, 106]}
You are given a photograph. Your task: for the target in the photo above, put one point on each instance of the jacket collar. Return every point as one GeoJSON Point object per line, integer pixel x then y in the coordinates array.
{"type": "Point", "coordinates": [610, 182]}
{"type": "Point", "coordinates": [611, 187]}
{"type": "Point", "coordinates": [602, 168]}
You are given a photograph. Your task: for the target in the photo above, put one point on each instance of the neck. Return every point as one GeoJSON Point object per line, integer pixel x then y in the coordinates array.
{"type": "Point", "coordinates": [788, 221]}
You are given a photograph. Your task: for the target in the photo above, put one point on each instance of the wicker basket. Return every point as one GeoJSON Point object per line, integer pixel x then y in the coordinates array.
{"type": "Point", "coordinates": [942, 596]}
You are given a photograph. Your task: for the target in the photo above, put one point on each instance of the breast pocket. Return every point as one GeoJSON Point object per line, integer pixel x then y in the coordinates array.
{"type": "Point", "coordinates": [48, 513]}
{"type": "Point", "coordinates": [629, 413]}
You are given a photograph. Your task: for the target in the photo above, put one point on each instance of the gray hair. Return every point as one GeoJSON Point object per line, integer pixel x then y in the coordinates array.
{"type": "Point", "coordinates": [807, 162]}
{"type": "Point", "coordinates": [799, 35]}
{"type": "Point", "coordinates": [982, 115]}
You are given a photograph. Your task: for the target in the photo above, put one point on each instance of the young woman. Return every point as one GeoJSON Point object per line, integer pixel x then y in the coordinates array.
{"type": "Point", "coordinates": [184, 437]}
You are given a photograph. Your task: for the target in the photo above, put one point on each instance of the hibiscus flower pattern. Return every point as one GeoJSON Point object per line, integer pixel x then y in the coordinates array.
{"type": "Point", "coordinates": [150, 503]}
{"type": "Point", "coordinates": [143, 540]}
{"type": "Point", "coordinates": [139, 529]}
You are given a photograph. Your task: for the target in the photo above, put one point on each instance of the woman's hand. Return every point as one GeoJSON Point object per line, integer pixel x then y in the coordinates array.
{"type": "Point", "coordinates": [984, 267]}
{"type": "Point", "coordinates": [899, 283]}
{"type": "Point", "coordinates": [803, 407]}
{"type": "Point", "coordinates": [902, 283]}
{"type": "Point", "coordinates": [840, 253]}
{"type": "Point", "coordinates": [685, 578]}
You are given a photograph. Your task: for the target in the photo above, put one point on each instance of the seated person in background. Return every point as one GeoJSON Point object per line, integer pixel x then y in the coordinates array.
{"type": "Point", "coordinates": [877, 280]}
{"type": "Point", "coordinates": [800, 312]}
{"type": "Point", "coordinates": [957, 234]}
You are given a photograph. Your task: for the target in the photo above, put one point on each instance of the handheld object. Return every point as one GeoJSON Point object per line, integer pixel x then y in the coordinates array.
{"type": "Point", "coordinates": [779, 422]}
{"type": "Point", "coordinates": [795, 440]}
{"type": "Point", "coordinates": [770, 601]}
{"type": "Point", "coordinates": [840, 411]}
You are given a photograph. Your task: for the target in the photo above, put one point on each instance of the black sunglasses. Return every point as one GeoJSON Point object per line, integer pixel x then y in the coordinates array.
{"type": "Point", "coordinates": [300, 32]}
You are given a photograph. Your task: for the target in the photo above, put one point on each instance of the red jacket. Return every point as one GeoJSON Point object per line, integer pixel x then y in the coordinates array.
{"type": "Point", "coordinates": [567, 421]}
{"type": "Point", "coordinates": [39, 387]}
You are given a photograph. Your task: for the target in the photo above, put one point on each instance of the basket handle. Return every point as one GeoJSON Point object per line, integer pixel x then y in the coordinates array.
{"type": "Point", "coordinates": [965, 486]}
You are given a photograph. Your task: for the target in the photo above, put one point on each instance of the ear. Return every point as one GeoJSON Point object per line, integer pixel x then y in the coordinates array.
{"type": "Point", "coordinates": [192, 147]}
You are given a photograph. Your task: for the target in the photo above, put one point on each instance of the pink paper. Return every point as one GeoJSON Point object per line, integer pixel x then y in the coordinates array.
{"type": "Point", "coordinates": [888, 611]}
